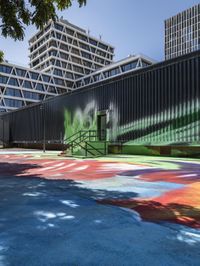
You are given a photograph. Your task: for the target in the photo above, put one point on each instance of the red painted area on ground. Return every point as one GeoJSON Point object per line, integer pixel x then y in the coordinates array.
{"type": "Point", "coordinates": [58, 169]}
{"type": "Point", "coordinates": [154, 211]}
{"type": "Point", "coordinates": [177, 176]}
{"type": "Point", "coordinates": [177, 206]}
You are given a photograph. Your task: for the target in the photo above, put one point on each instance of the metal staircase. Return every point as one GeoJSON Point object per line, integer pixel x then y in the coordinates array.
{"type": "Point", "coordinates": [91, 142]}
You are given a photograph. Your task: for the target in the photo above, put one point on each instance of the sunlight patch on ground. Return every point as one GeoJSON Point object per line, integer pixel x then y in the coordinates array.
{"type": "Point", "coordinates": [190, 237]}
{"type": "Point", "coordinates": [130, 184]}
{"type": "Point", "coordinates": [33, 194]}
{"type": "Point", "coordinates": [68, 217]}
{"type": "Point", "coordinates": [69, 203]}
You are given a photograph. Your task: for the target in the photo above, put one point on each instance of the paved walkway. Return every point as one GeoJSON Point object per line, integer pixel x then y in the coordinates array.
{"type": "Point", "coordinates": [121, 210]}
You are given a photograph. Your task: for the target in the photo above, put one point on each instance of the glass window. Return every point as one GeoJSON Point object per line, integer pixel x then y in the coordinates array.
{"type": "Point", "coordinates": [58, 72]}
{"type": "Point", "coordinates": [13, 92]}
{"type": "Point", "coordinates": [69, 31]}
{"type": "Point", "coordinates": [58, 35]}
{"type": "Point", "coordinates": [86, 55]}
{"type": "Point", "coordinates": [69, 84]}
{"type": "Point", "coordinates": [13, 81]}
{"type": "Point", "coordinates": [52, 53]}
{"type": "Point", "coordinates": [82, 37]}
{"type": "Point", "coordinates": [13, 103]}
{"type": "Point", "coordinates": [21, 72]}
{"type": "Point", "coordinates": [97, 77]}
{"type": "Point", "coordinates": [46, 78]}
{"type": "Point", "coordinates": [59, 81]}
{"type": "Point", "coordinates": [93, 42]}
{"type": "Point", "coordinates": [58, 26]}
{"type": "Point", "coordinates": [27, 84]}
{"type": "Point", "coordinates": [5, 69]}
{"type": "Point", "coordinates": [60, 91]}
{"type": "Point", "coordinates": [3, 79]}
{"type": "Point", "coordinates": [69, 75]}
{"type": "Point", "coordinates": [34, 75]}
{"type": "Point", "coordinates": [39, 87]}
{"type": "Point", "coordinates": [31, 95]}
{"type": "Point", "coordinates": [129, 66]}
{"type": "Point", "coordinates": [64, 47]}
{"type": "Point", "coordinates": [103, 46]}
{"type": "Point", "coordinates": [114, 72]}
{"type": "Point", "coordinates": [52, 89]}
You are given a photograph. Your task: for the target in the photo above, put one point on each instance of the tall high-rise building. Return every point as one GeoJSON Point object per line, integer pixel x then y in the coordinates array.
{"type": "Point", "coordinates": [63, 57]}
{"type": "Point", "coordinates": [182, 33]}
{"type": "Point", "coordinates": [59, 54]}
{"type": "Point", "coordinates": [68, 51]}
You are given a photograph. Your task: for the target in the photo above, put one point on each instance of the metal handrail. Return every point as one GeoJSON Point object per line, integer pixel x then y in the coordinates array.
{"type": "Point", "coordinates": [79, 134]}
{"type": "Point", "coordinates": [93, 148]}
{"type": "Point", "coordinates": [84, 136]}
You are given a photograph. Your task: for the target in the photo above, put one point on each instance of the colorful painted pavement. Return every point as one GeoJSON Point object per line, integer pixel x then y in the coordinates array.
{"type": "Point", "coordinates": [112, 211]}
{"type": "Point", "coordinates": [161, 190]}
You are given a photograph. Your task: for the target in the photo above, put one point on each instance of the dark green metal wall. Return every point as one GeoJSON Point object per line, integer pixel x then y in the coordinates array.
{"type": "Point", "coordinates": [159, 104]}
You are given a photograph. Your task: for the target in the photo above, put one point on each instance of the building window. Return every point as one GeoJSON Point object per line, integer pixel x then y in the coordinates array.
{"type": "Point", "coordinates": [5, 69]}
{"type": "Point", "coordinates": [13, 92]}
{"type": "Point", "coordinates": [59, 81]}
{"type": "Point", "coordinates": [39, 87]}
{"type": "Point", "coordinates": [13, 81]}
{"type": "Point", "coordinates": [93, 42]}
{"type": "Point", "coordinates": [129, 66]}
{"type": "Point", "coordinates": [58, 27]}
{"type": "Point", "coordinates": [82, 37]}
{"type": "Point", "coordinates": [34, 75]}
{"type": "Point", "coordinates": [103, 46]}
{"type": "Point", "coordinates": [13, 103]}
{"type": "Point", "coordinates": [20, 72]}
{"type": "Point", "coordinates": [31, 95]}
{"type": "Point", "coordinates": [58, 72]}
{"type": "Point", "coordinates": [69, 31]}
{"type": "Point", "coordinates": [3, 79]}
{"type": "Point", "coordinates": [45, 78]}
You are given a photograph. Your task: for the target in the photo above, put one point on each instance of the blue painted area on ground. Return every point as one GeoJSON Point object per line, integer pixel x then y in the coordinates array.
{"type": "Point", "coordinates": [45, 222]}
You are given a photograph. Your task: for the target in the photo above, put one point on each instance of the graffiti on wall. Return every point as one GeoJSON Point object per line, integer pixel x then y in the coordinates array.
{"type": "Point", "coordinates": [165, 128]}
{"type": "Point", "coordinates": [79, 119]}
{"type": "Point", "coordinates": [86, 119]}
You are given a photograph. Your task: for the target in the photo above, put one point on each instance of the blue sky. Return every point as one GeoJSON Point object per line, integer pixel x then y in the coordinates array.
{"type": "Point", "coordinates": [132, 26]}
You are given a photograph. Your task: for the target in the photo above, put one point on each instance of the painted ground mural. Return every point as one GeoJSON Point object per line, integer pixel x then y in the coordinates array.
{"type": "Point", "coordinates": [112, 211]}
{"type": "Point", "coordinates": [163, 190]}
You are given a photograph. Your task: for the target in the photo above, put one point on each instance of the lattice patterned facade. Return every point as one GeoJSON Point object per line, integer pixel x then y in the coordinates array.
{"type": "Point", "coordinates": [128, 64]}
{"type": "Point", "coordinates": [59, 54]}
{"type": "Point", "coordinates": [182, 33]}
{"type": "Point", "coordinates": [21, 86]}
{"type": "Point", "coordinates": [68, 51]}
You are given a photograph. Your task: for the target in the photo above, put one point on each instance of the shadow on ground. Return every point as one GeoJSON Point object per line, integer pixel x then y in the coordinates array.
{"type": "Point", "coordinates": [56, 222]}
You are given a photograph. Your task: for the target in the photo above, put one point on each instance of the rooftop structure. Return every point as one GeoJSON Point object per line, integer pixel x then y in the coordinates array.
{"type": "Point", "coordinates": [131, 63]}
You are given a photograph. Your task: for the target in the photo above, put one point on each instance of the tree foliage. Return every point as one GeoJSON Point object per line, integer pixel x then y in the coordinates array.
{"type": "Point", "coordinates": [1, 56]}
{"type": "Point", "coordinates": [16, 14]}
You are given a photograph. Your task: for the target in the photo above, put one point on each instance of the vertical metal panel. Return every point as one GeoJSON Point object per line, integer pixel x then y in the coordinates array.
{"type": "Point", "coordinates": [158, 104]}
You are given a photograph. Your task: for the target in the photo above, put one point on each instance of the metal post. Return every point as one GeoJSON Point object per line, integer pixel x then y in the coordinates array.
{"type": "Point", "coordinates": [44, 131]}
{"type": "Point", "coordinates": [43, 125]}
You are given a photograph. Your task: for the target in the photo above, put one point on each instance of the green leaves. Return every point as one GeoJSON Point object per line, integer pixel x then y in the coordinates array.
{"type": "Point", "coordinates": [1, 56]}
{"type": "Point", "coordinates": [16, 14]}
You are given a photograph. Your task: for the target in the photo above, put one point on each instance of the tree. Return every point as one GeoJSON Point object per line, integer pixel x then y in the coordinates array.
{"type": "Point", "coordinates": [16, 14]}
{"type": "Point", "coordinates": [1, 56]}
